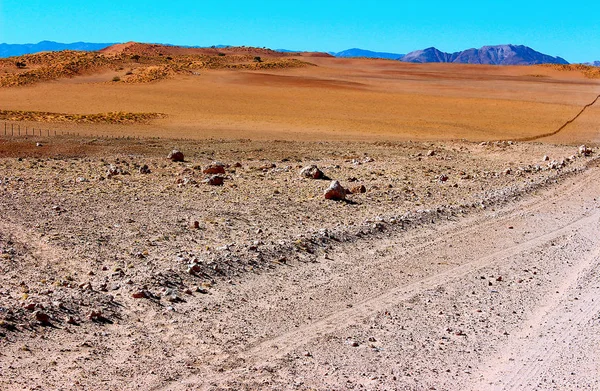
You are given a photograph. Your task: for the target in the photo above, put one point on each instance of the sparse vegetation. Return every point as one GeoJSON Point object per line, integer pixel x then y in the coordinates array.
{"type": "Point", "coordinates": [112, 117]}
{"type": "Point", "coordinates": [116, 78]}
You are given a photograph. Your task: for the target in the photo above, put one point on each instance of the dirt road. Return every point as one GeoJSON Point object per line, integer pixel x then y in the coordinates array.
{"type": "Point", "coordinates": [505, 298]}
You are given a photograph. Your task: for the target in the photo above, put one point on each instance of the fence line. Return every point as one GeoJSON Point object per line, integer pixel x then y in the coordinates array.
{"type": "Point", "coordinates": [12, 129]}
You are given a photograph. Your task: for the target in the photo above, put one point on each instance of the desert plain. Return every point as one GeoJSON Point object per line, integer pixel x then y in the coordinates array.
{"type": "Point", "coordinates": [464, 257]}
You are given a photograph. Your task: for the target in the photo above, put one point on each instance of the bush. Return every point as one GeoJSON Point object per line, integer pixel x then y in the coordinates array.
{"type": "Point", "coordinates": [257, 59]}
{"type": "Point", "coordinates": [116, 78]}
{"type": "Point", "coordinates": [20, 64]}
{"type": "Point", "coordinates": [221, 54]}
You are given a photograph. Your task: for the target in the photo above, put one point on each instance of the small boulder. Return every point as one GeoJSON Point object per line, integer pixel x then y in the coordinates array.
{"type": "Point", "coordinates": [141, 294]}
{"type": "Point", "coordinates": [41, 317]}
{"type": "Point", "coordinates": [215, 180]}
{"type": "Point", "coordinates": [584, 150]}
{"type": "Point", "coordinates": [358, 189]}
{"type": "Point", "coordinates": [214, 168]}
{"type": "Point", "coordinates": [176, 156]}
{"type": "Point", "coordinates": [335, 191]}
{"type": "Point", "coordinates": [145, 169]}
{"type": "Point", "coordinates": [312, 171]}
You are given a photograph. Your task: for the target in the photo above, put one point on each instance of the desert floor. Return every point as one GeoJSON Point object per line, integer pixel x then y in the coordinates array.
{"type": "Point", "coordinates": [469, 262]}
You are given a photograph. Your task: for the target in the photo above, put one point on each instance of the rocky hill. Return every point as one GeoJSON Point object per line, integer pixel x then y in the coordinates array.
{"type": "Point", "coordinates": [492, 55]}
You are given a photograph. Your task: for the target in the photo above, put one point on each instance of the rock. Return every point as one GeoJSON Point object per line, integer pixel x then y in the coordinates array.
{"type": "Point", "coordinates": [140, 294]}
{"type": "Point", "coordinates": [41, 317]}
{"type": "Point", "coordinates": [312, 171]}
{"type": "Point", "coordinates": [214, 168]}
{"type": "Point", "coordinates": [194, 268]}
{"type": "Point", "coordinates": [443, 178]}
{"type": "Point", "coordinates": [237, 165]}
{"type": "Point", "coordinates": [335, 191]}
{"type": "Point", "coordinates": [95, 315]}
{"type": "Point", "coordinates": [70, 319]}
{"type": "Point", "coordinates": [39, 145]}
{"type": "Point", "coordinates": [267, 166]}
{"type": "Point", "coordinates": [431, 153]}
{"type": "Point", "coordinates": [144, 169]}
{"type": "Point", "coordinates": [176, 156]}
{"type": "Point", "coordinates": [546, 158]}
{"type": "Point", "coordinates": [359, 189]}
{"type": "Point", "coordinates": [215, 180]}
{"type": "Point", "coordinates": [196, 225]}
{"type": "Point", "coordinates": [584, 150]}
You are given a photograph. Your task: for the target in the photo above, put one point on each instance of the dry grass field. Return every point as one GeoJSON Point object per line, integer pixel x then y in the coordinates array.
{"type": "Point", "coordinates": [463, 257]}
{"type": "Point", "coordinates": [338, 99]}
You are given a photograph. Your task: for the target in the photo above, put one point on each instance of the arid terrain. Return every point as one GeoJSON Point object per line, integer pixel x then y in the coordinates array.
{"type": "Point", "coordinates": [464, 257]}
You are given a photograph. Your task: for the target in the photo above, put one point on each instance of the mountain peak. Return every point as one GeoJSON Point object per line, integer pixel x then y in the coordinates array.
{"type": "Point", "coordinates": [507, 54]}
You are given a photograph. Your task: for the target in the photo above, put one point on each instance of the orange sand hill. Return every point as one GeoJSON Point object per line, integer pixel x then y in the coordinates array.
{"type": "Point", "coordinates": [347, 99]}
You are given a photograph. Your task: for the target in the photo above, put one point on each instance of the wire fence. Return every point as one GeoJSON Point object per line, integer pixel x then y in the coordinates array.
{"type": "Point", "coordinates": [18, 130]}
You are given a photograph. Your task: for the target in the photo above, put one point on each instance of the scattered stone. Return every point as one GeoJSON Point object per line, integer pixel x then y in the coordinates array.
{"type": "Point", "coordinates": [41, 317]}
{"type": "Point", "coordinates": [39, 145]}
{"type": "Point", "coordinates": [214, 168]}
{"type": "Point", "coordinates": [584, 150]}
{"type": "Point", "coordinates": [358, 189]}
{"type": "Point", "coordinates": [142, 294]}
{"type": "Point", "coordinates": [335, 191]}
{"type": "Point", "coordinates": [546, 158]}
{"type": "Point", "coordinates": [215, 180]}
{"type": "Point", "coordinates": [81, 179]}
{"type": "Point", "coordinates": [95, 315]}
{"type": "Point", "coordinates": [176, 156]}
{"type": "Point", "coordinates": [196, 225]}
{"type": "Point", "coordinates": [144, 169]}
{"type": "Point", "coordinates": [312, 171]}
{"type": "Point", "coordinates": [70, 319]}
{"type": "Point", "coordinates": [443, 178]}
{"type": "Point", "coordinates": [237, 165]}
{"type": "Point", "coordinates": [431, 153]}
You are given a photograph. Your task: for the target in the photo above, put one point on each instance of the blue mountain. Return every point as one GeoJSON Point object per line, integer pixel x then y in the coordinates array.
{"type": "Point", "coordinates": [368, 54]}
{"type": "Point", "coordinates": [10, 50]}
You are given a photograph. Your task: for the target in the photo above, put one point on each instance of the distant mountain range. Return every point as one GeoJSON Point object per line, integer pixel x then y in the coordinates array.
{"type": "Point", "coordinates": [367, 54]}
{"type": "Point", "coordinates": [494, 55]}
{"type": "Point", "coordinates": [10, 50]}
{"type": "Point", "coordinates": [595, 63]}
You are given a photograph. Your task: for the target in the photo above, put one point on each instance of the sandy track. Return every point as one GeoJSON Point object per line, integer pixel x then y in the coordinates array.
{"type": "Point", "coordinates": [277, 361]}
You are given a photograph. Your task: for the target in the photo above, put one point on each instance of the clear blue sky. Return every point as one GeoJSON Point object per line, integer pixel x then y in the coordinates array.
{"type": "Point", "coordinates": [567, 29]}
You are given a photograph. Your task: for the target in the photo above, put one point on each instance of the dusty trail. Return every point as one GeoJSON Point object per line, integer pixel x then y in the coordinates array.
{"type": "Point", "coordinates": [385, 278]}
{"type": "Point", "coordinates": [563, 126]}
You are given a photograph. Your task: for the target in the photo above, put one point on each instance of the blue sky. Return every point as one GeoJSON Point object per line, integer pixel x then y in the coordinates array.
{"type": "Point", "coordinates": [569, 30]}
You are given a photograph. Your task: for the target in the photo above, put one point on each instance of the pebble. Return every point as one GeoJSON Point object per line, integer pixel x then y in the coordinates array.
{"type": "Point", "coordinates": [41, 317]}
{"type": "Point", "coordinates": [335, 191]}
{"type": "Point", "coordinates": [176, 156]}
{"type": "Point", "coordinates": [214, 168]}
{"type": "Point", "coordinates": [215, 180]}
{"type": "Point", "coordinates": [312, 171]}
